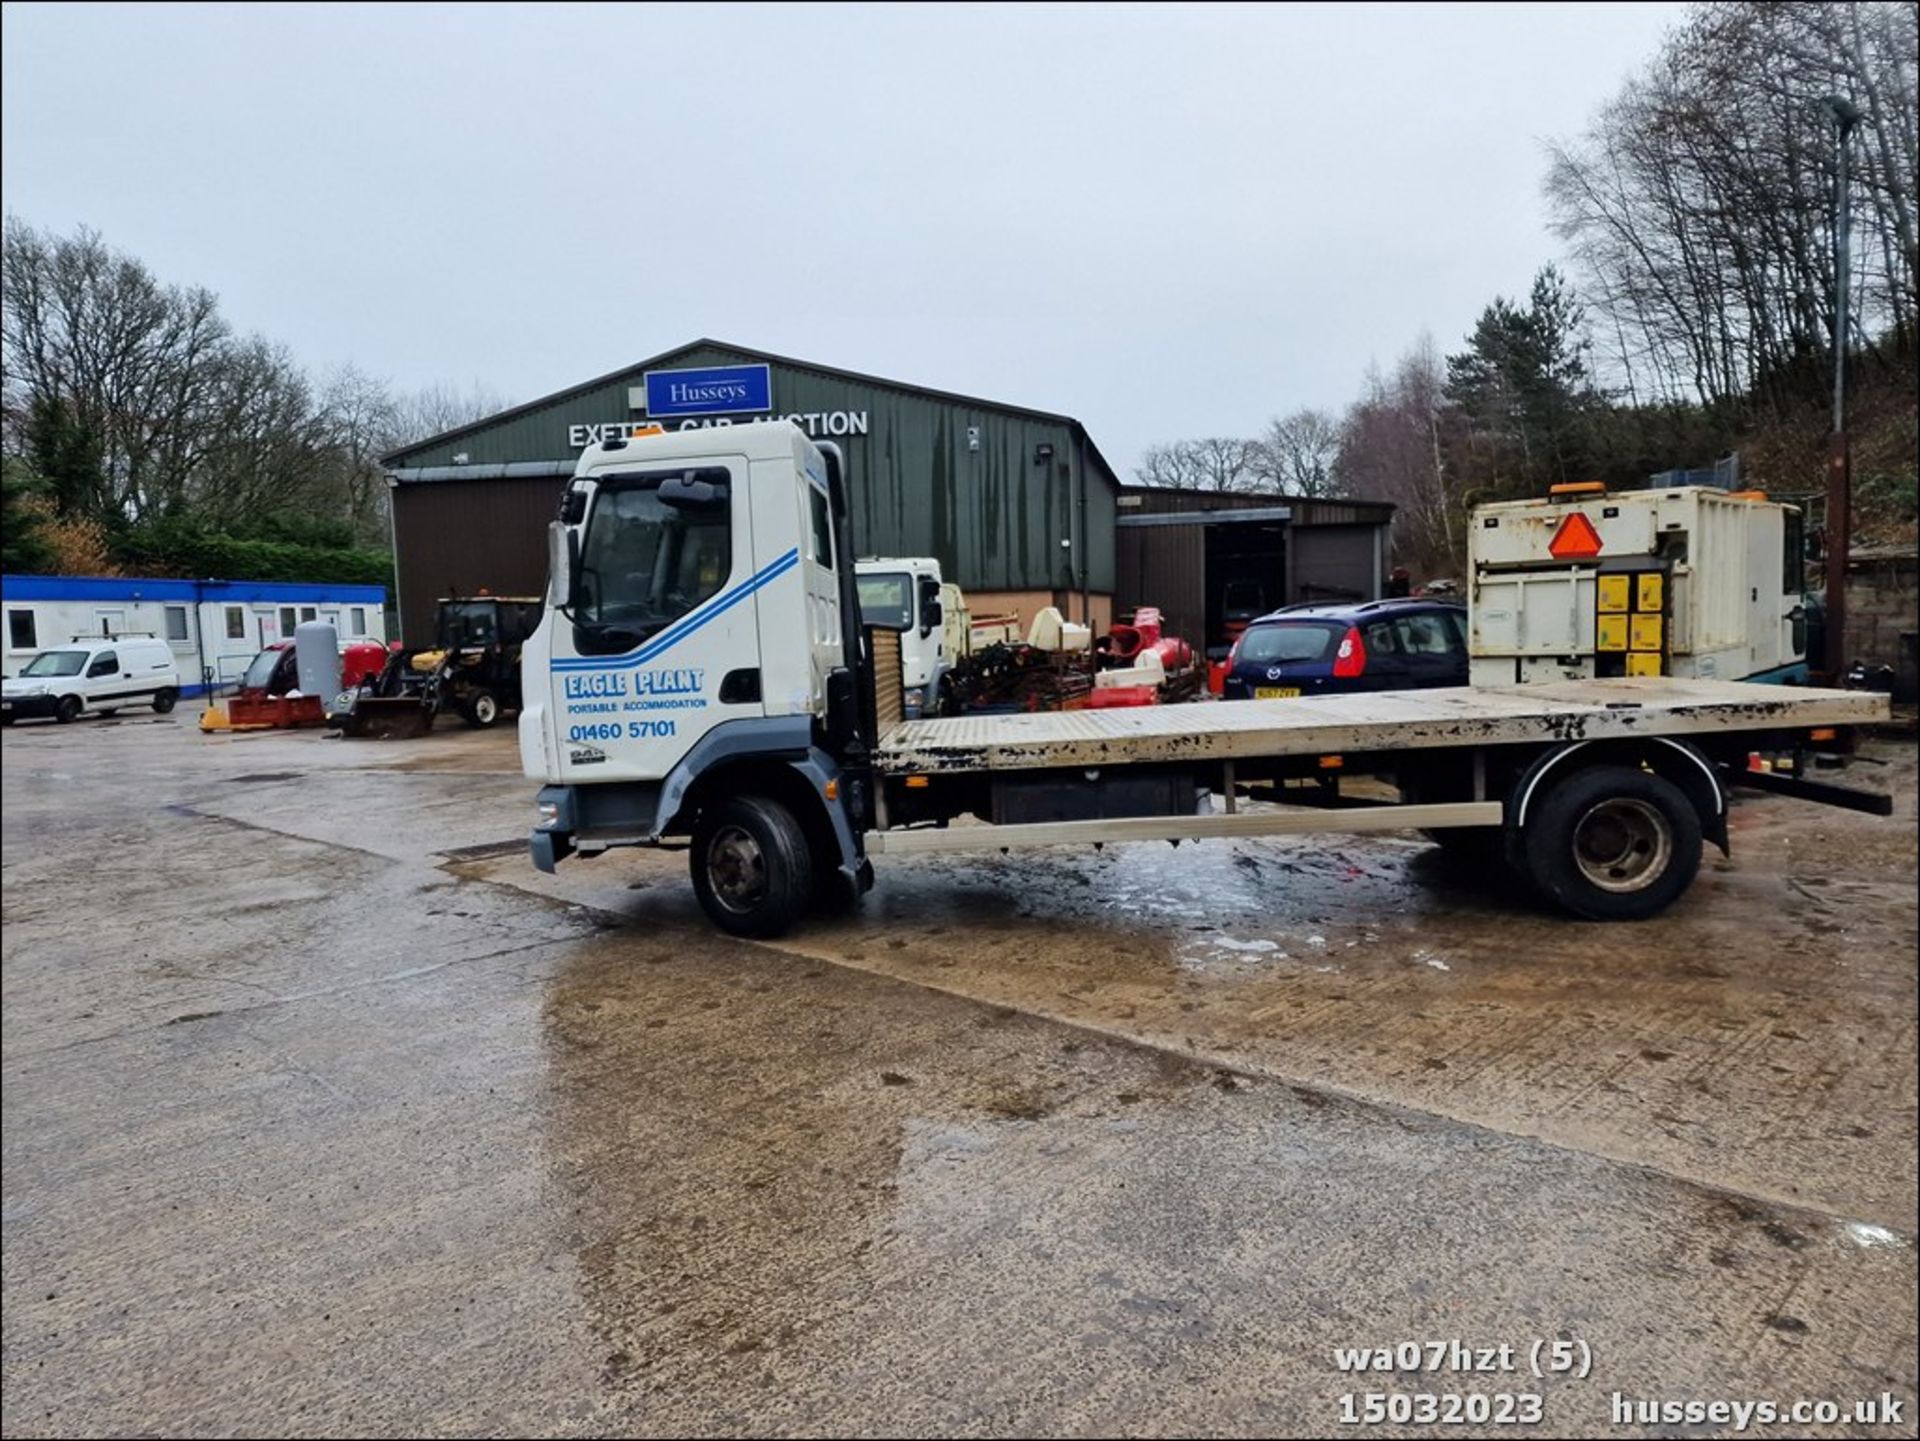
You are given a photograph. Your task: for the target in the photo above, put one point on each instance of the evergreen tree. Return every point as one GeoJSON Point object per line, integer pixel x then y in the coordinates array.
{"type": "Point", "coordinates": [23, 549]}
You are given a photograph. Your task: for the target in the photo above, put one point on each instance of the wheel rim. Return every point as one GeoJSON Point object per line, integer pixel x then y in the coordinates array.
{"type": "Point", "coordinates": [1623, 844]}
{"type": "Point", "coordinates": [485, 710]}
{"type": "Point", "coordinates": [736, 869]}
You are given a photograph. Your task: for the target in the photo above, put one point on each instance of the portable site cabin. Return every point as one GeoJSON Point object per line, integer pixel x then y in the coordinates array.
{"type": "Point", "coordinates": [213, 627]}
{"type": "Point", "coordinates": [1693, 581]}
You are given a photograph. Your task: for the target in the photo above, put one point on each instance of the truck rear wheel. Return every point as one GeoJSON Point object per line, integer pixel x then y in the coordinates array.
{"type": "Point", "coordinates": [163, 701]}
{"type": "Point", "coordinates": [751, 869]}
{"type": "Point", "coordinates": [1614, 844]}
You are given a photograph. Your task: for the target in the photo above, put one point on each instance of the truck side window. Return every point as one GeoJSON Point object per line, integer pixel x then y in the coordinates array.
{"type": "Point", "coordinates": [1793, 575]}
{"type": "Point", "coordinates": [822, 527]}
{"type": "Point", "coordinates": [106, 664]}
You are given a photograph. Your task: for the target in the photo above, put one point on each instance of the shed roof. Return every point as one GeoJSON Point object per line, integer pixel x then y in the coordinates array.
{"type": "Point", "coordinates": [396, 458]}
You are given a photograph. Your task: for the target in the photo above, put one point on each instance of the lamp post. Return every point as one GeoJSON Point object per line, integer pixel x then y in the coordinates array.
{"type": "Point", "coordinates": [1846, 115]}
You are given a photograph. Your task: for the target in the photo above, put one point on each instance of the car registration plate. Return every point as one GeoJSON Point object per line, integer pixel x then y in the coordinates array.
{"type": "Point", "coordinates": [1275, 692]}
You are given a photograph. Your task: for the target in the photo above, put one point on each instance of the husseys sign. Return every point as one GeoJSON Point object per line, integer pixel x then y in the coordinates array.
{"type": "Point", "coordinates": [709, 390]}
{"type": "Point", "coordinates": [713, 395]}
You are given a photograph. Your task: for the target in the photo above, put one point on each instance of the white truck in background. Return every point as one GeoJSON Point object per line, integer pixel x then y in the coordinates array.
{"type": "Point", "coordinates": [700, 677]}
{"type": "Point", "coordinates": [906, 595]}
{"type": "Point", "coordinates": [1587, 583]}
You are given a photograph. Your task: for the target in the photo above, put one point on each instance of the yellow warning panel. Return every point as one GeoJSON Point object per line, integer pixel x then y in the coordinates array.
{"type": "Point", "coordinates": [1650, 588]}
{"type": "Point", "coordinates": [1613, 593]}
{"type": "Point", "coordinates": [1644, 662]}
{"type": "Point", "coordinates": [1611, 632]}
{"type": "Point", "coordinates": [1646, 632]}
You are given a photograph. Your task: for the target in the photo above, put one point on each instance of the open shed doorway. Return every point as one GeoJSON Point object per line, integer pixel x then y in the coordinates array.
{"type": "Point", "coordinates": [1246, 577]}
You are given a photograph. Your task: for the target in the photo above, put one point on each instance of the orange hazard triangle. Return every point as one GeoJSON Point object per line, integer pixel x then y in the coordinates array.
{"type": "Point", "coordinates": [1576, 539]}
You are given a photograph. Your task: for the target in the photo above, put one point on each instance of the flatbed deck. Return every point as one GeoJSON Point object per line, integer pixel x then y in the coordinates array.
{"type": "Point", "coordinates": [1373, 721]}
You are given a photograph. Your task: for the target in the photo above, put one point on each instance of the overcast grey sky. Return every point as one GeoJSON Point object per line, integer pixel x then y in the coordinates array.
{"type": "Point", "coordinates": [1165, 221]}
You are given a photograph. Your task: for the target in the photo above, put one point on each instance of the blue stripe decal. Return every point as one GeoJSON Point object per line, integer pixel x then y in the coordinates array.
{"type": "Point", "coordinates": [681, 629]}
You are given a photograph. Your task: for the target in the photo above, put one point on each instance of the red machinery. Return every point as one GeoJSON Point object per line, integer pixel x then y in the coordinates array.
{"type": "Point", "coordinates": [1142, 666]}
{"type": "Point", "coordinates": [263, 701]}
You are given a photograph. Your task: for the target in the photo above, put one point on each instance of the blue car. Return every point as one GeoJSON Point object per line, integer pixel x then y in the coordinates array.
{"type": "Point", "coordinates": [1306, 650]}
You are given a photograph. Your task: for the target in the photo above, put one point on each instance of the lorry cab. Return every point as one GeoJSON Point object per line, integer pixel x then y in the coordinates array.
{"type": "Point", "coordinates": [99, 674]}
{"type": "Point", "coordinates": [905, 596]}
{"type": "Point", "coordinates": [701, 624]}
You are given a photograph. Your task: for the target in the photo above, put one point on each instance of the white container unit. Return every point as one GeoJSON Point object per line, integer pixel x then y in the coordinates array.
{"type": "Point", "coordinates": [213, 628]}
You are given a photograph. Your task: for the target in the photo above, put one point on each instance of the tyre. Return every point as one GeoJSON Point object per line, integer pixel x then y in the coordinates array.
{"type": "Point", "coordinates": [163, 701]}
{"type": "Point", "coordinates": [481, 708]}
{"type": "Point", "coordinates": [68, 710]}
{"type": "Point", "coordinates": [751, 869]}
{"type": "Point", "coordinates": [1614, 844]}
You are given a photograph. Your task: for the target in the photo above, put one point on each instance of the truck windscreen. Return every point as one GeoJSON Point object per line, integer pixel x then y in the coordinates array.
{"type": "Point", "coordinates": [886, 600]}
{"type": "Point", "coordinates": [647, 561]}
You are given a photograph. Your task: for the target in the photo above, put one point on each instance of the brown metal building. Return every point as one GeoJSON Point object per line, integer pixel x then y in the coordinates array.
{"type": "Point", "coordinates": [1204, 557]}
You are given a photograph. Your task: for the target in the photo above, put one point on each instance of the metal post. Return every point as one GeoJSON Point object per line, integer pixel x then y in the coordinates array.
{"type": "Point", "coordinates": [1839, 460]}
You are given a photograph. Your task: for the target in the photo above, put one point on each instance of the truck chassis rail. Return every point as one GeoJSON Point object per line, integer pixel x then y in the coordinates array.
{"type": "Point", "coordinates": [932, 841]}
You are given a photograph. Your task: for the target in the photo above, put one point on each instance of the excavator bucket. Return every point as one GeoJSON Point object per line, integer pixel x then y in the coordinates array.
{"type": "Point", "coordinates": [388, 718]}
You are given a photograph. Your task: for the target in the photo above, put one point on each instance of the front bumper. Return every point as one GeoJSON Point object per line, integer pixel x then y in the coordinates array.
{"type": "Point", "coordinates": [549, 848]}
{"type": "Point", "coordinates": [28, 707]}
{"type": "Point", "coordinates": [552, 840]}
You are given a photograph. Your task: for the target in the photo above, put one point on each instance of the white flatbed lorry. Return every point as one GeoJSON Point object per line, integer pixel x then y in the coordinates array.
{"type": "Point", "coordinates": [700, 679]}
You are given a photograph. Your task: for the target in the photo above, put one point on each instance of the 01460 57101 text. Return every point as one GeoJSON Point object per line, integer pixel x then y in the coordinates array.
{"type": "Point", "coordinates": [616, 730]}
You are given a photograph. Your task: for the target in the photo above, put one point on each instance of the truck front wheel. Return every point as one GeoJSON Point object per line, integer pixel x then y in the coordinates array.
{"type": "Point", "coordinates": [751, 869]}
{"type": "Point", "coordinates": [1614, 844]}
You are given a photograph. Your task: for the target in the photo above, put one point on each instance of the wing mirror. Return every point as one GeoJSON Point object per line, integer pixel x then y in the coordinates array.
{"type": "Point", "coordinates": [931, 614]}
{"type": "Point", "coordinates": [563, 564]}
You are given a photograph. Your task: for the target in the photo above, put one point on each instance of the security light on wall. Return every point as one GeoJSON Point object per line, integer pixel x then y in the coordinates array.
{"type": "Point", "coordinates": [1042, 453]}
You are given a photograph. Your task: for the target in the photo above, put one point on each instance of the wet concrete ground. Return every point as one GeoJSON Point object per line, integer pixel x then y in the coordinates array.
{"type": "Point", "coordinates": [324, 1112]}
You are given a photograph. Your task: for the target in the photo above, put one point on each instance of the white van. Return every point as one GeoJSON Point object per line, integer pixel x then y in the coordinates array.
{"type": "Point", "coordinates": [99, 675]}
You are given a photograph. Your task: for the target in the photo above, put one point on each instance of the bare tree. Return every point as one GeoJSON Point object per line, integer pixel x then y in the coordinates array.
{"type": "Point", "coordinates": [1296, 454]}
{"type": "Point", "coordinates": [435, 409]}
{"type": "Point", "coordinates": [1699, 200]}
{"type": "Point", "coordinates": [1212, 463]}
{"type": "Point", "coordinates": [1391, 449]}
{"type": "Point", "coordinates": [363, 420]}
{"type": "Point", "coordinates": [134, 365]}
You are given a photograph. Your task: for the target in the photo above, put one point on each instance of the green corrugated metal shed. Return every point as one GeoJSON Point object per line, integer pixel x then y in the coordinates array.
{"type": "Point", "coordinates": [991, 490]}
